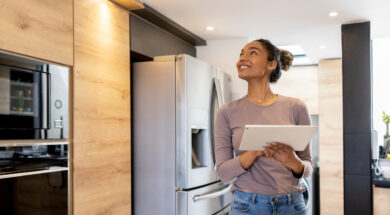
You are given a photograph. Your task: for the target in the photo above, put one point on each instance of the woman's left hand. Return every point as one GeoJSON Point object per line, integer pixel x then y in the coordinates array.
{"type": "Point", "coordinates": [285, 155]}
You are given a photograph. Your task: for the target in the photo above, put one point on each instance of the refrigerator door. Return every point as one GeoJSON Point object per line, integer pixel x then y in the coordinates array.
{"type": "Point", "coordinates": [153, 138]}
{"type": "Point", "coordinates": [216, 102]}
{"type": "Point", "coordinates": [225, 83]}
{"type": "Point", "coordinates": [194, 88]}
{"type": "Point", "coordinates": [212, 199]}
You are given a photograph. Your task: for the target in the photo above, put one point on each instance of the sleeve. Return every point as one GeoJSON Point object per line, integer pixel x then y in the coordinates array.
{"type": "Point", "coordinates": [303, 118]}
{"type": "Point", "coordinates": [228, 166]}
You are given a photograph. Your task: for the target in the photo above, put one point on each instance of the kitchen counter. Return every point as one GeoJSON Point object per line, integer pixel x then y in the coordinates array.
{"type": "Point", "coordinates": [379, 181]}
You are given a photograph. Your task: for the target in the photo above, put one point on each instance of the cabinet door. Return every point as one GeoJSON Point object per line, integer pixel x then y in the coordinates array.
{"type": "Point", "coordinates": [38, 28]}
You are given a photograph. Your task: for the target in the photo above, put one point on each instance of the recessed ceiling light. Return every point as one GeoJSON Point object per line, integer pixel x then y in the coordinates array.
{"type": "Point", "coordinates": [210, 28]}
{"type": "Point", "coordinates": [333, 14]}
{"type": "Point", "coordinates": [322, 47]}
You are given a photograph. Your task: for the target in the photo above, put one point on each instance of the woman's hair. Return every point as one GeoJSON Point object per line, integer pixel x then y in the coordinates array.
{"type": "Point", "coordinates": [283, 58]}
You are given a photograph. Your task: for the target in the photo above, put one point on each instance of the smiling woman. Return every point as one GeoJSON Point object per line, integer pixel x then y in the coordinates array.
{"type": "Point", "coordinates": [267, 180]}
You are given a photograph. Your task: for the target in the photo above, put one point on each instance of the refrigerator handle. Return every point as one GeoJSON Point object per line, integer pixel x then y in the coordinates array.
{"type": "Point", "coordinates": [214, 194]}
{"type": "Point", "coordinates": [218, 89]}
{"type": "Point", "coordinates": [216, 93]}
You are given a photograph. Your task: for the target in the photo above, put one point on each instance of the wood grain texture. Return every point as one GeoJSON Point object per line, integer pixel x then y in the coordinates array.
{"type": "Point", "coordinates": [38, 28]}
{"type": "Point", "coordinates": [101, 93]}
{"type": "Point", "coordinates": [130, 4]}
{"type": "Point", "coordinates": [302, 83]}
{"type": "Point", "coordinates": [331, 137]}
{"type": "Point", "coordinates": [381, 199]}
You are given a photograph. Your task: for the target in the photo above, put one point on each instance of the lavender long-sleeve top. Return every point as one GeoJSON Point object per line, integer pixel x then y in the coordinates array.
{"type": "Point", "coordinates": [266, 176]}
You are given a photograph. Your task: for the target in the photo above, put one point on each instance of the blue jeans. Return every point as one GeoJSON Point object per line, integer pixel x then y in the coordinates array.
{"type": "Point", "coordinates": [258, 204]}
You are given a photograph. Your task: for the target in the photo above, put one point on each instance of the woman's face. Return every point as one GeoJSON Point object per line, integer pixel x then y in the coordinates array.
{"type": "Point", "coordinates": [253, 62]}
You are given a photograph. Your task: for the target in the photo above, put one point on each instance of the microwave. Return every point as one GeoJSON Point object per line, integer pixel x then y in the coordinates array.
{"type": "Point", "coordinates": [34, 99]}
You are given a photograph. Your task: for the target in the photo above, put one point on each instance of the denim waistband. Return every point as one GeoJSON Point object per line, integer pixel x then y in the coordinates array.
{"type": "Point", "coordinates": [255, 197]}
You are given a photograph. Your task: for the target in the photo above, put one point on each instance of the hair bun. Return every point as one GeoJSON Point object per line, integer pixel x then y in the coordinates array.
{"type": "Point", "coordinates": [286, 59]}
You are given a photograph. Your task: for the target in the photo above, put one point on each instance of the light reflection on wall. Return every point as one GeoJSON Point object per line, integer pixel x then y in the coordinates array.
{"type": "Point", "coordinates": [380, 84]}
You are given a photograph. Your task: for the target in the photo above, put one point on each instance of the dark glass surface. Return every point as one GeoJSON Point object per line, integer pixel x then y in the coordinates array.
{"type": "Point", "coordinates": [35, 194]}
{"type": "Point", "coordinates": [26, 116]}
{"type": "Point", "coordinates": [25, 98]}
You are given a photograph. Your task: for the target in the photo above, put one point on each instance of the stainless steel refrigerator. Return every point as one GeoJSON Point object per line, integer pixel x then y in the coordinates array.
{"type": "Point", "coordinates": [174, 103]}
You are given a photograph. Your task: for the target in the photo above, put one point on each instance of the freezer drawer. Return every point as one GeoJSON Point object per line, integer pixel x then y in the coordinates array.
{"type": "Point", "coordinates": [209, 200]}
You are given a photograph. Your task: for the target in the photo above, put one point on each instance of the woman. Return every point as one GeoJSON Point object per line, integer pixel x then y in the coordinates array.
{"type": "Point", "coordinates": [268, 180]}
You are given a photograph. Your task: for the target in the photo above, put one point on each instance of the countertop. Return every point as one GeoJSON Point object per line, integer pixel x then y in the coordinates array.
{"type": "Point", "coordinates": [380, 181]}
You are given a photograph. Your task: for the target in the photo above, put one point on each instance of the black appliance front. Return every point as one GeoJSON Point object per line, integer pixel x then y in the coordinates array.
{"type": "Point", "coordinates": [34, 179]}
{"type": "Point", "coordinates": [35, 194]}
{"type": "Point", "coordinates": [26, 100]}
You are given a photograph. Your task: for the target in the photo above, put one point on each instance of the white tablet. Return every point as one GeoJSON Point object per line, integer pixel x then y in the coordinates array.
{"type": "Point", "coordinates": [255, 137]}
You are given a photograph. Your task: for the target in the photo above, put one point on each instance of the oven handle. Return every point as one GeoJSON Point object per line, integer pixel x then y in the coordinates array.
{"type": "Point", "coordinates": [213, 194]}
{"type": "Point", "coordinates": [20, 174]}
{"type": "Point", "coordinates": [46, 94]}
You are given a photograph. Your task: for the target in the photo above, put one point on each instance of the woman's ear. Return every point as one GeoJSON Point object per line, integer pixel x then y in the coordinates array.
{"type": "Point", "coordinates": [272, 65]}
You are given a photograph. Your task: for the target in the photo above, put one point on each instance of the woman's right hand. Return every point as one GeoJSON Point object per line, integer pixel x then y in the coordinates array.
{"type": "Point", "coordinates": [249, 157]}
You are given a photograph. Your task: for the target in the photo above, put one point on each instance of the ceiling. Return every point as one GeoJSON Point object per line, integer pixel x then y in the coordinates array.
{"type": "Point", "coordinates": [284, 22]}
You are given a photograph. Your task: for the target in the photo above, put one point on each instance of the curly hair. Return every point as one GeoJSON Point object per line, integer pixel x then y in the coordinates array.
{"type": "Point", "coordinates": [283, 59]}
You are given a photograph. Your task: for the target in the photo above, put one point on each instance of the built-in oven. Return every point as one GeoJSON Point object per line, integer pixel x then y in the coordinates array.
{"type": "Point", "coordinates": [33, 99]}
{"type": "Point", "coordinates": [34, 179]}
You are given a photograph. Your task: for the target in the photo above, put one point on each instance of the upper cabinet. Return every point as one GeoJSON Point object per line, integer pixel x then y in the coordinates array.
{"type": "Point", "coordinates": [130, 4]}
{"type": "Point", "coordinates": [38, 28]}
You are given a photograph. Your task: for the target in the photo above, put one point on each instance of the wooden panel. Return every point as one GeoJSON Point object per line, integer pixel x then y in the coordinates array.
{"type": "Point", "coordinates": [381, 199]}
{"type": "Point", "coordinates": [38, 28]}
{"type": "Point", "coordinates": [101, 93]}
{"type": "Point", "coordinates": [331, 137]}
{"type": "Point", "coordinates": [130, 4]}
{"type": "Point", "coordinates": [302, 83]}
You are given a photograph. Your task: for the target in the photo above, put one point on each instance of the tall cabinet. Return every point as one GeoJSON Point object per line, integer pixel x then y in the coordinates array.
{"type": "Point", "coordinates": [92, 36]}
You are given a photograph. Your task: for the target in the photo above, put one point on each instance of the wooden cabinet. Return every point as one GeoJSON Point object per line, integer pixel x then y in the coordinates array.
{"type": "Point", "coordinates": [101, 109]}
{"type": "Point", "coordinates": [331, 137]}
{"type": "Point", "coordinates": [381, 199]}
{"type": "Point", "coordinates": [130, 4]}
{"type": "Point", "coordinates": [38, 28]}
{"type": "Point", "coordinates": [302, 83]}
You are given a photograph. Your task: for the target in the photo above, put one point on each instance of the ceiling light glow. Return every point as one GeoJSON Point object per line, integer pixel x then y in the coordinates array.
{"type": "Point", "coordinates": [210, 28]}
{"type": "Point", "coordinates": [294, 49]}
{"type": "Point", "coordinates": [322, 47]}
{"type": "Point", "coordinates": [333, 14]}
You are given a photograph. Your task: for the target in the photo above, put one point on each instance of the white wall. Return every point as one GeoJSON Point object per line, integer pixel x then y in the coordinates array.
{"type": "Point", "coordinates": [224, 54]}
{"type": "Point", "coordinates": [380, 84]}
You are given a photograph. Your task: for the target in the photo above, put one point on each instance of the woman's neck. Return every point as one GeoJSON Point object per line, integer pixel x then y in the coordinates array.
{"type": "Point", "coordinates": [259, 92]}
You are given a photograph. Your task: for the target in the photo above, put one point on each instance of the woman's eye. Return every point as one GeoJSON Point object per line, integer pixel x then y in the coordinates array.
{"type": "Point", "coordinates": [253, 52]}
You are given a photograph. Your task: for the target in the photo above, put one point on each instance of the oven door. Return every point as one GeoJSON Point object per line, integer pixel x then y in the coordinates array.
{"type": "Point", "coordinates": [24, 102]}
{"type": "Point", "coordinates": [45, 193]}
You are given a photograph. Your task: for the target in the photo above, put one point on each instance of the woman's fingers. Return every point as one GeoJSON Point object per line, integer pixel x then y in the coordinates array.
{"type": "Point", "coordinates": [266, 153]}
{"type": "Point", "coordinates": [271, 146]}
{"type": "Point", "coordinates": [281, 147]}
{"type": "Point", "coordinates": [270, 152]}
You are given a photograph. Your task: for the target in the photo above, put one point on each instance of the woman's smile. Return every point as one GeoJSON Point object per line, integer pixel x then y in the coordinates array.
{"type": "Point", "coordinates": [244, 66]}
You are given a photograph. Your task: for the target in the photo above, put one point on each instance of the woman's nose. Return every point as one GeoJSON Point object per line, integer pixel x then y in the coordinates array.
{"type": "Point", "coordinates": [242, 58]}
